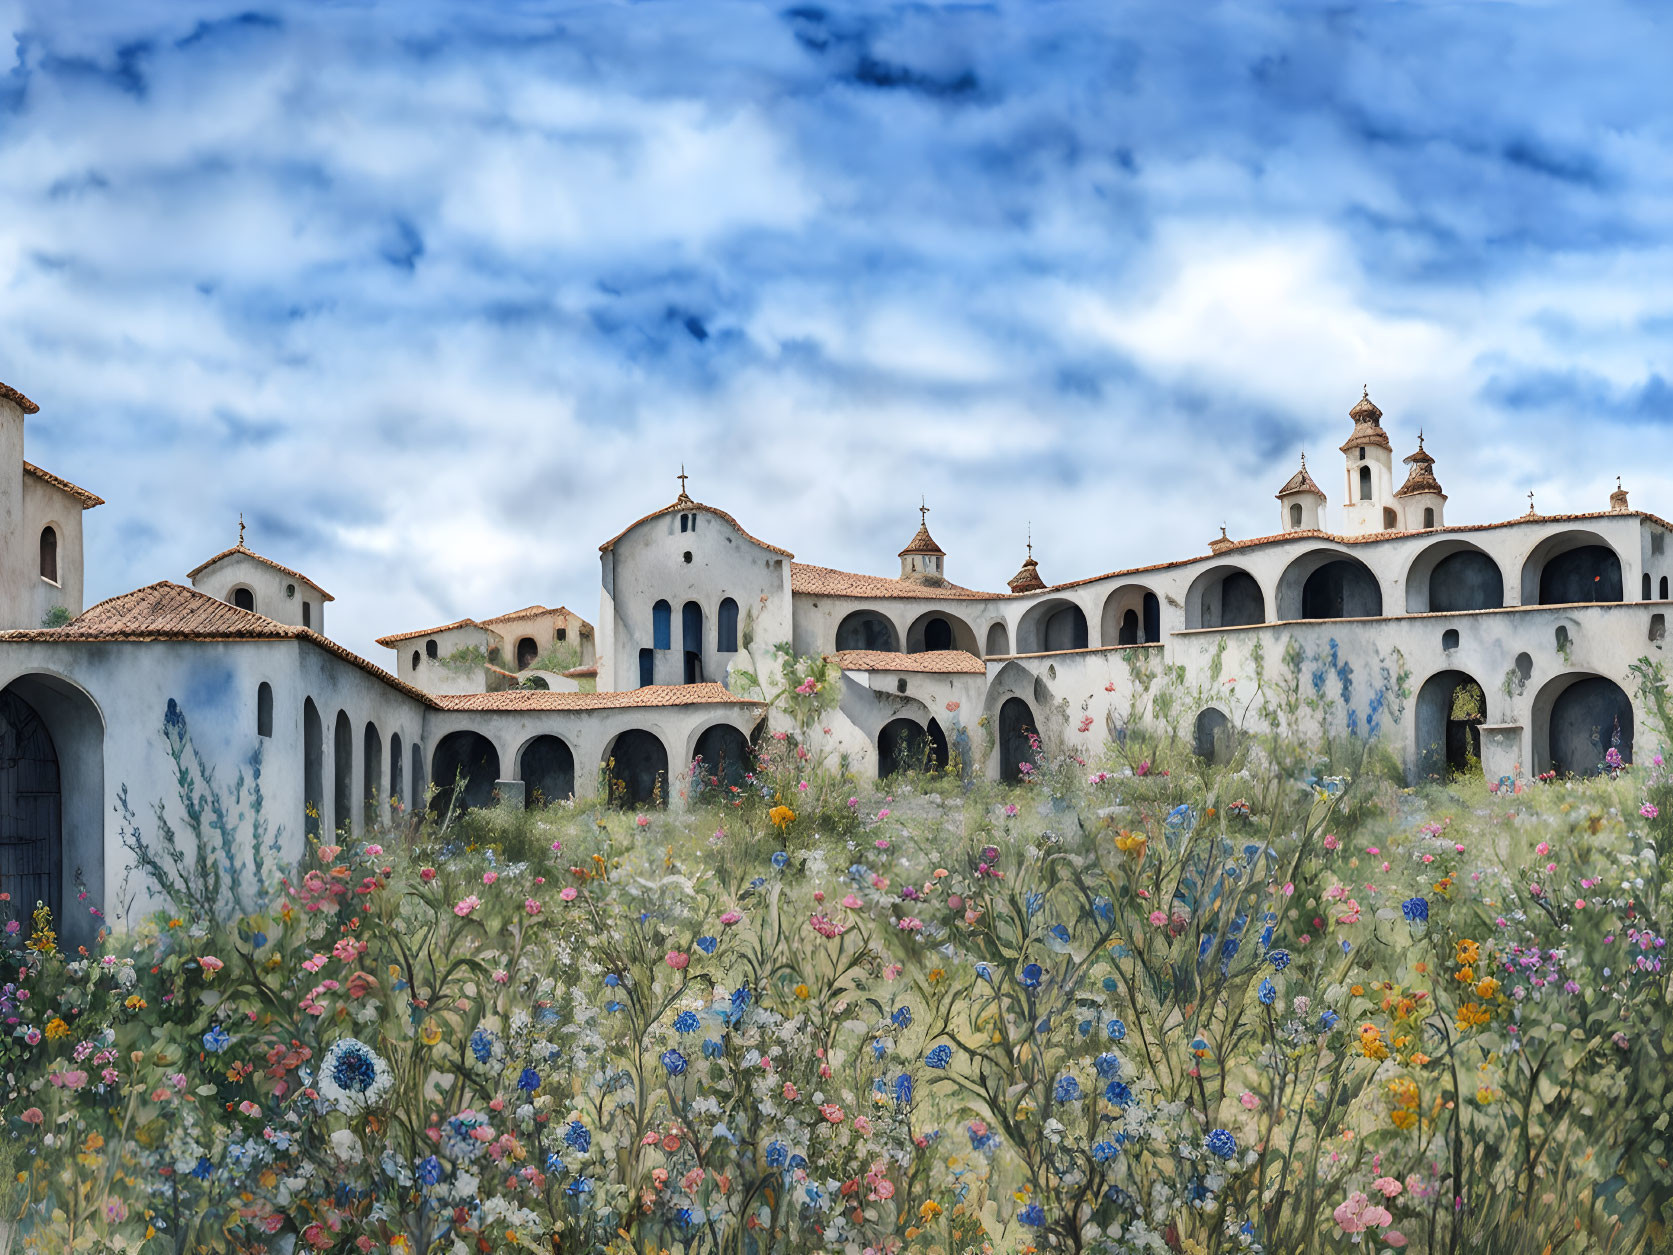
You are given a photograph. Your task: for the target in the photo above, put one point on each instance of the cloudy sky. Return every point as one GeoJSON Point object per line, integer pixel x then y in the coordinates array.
{"type": "Point", "coordinates": [441, 296]}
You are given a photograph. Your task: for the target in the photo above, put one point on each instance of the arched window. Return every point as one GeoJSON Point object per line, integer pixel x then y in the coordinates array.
{"type": "Point", "coordinates": [264, 709]}
{"type": "Point", "coordinates": [527, 652]}
{"type": "Point", "coordinates": [726, 627]}
{"type": "Point", "coordinates": [430, 650]}
{"type": "Point", "coordinates": [1449, 639]}
{"type": "Point", "coordinates": [1664, 588]}
{"type": "Point", "coordinates": [1646, 586]}
{"type": "Point", "coordinates": [395, 791]}
{"type": "Point", "coordinates": [416, 659]}
{"type": "Point", "coordinates": [1364, 482]}
{"type": "Point", "coordinates": [1391, 521]}
{"type": "Point", "coordinates": [308, 615]}
{"type": "Point", "coordinates": [1295, 514]}
{"type": "Point", "coordinates": [49, 554]}
{"type": "Point", "coordinates": [342, 814]}
{"type": "Point", "coordinates": [662, 625]}
{"type": "Point", "coordinates": [691, 640]}
{"type": "Point", "coordinates": [244, 599]}
{"type": "Point", "coordinates": [1428, 517]}
{"type": "Point", "coordinates": [647, 667]}
{"type": "Point", "coordinates": [685, 521]}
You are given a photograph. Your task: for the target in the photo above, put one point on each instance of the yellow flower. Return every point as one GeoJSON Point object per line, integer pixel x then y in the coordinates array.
{"type": "Point", "coordinates": [930, 1210]}
{"type": "Point", "coordinates": [1371, 1043]}
{"type": "Point", "coordinates": [782, 816]}
{"type": "Point", "coordinates": [1468, 952]}
{"type": "Point", "coordinates": [1484, 1095]}
{"type": "Point", "coordinates": [1487, 987]}
{"type": "Point", "coordinates": [430, 1034]}
{"type": "Point", "coordinates": [56, 1028]}
{"type": "Point", "coordinates": [803, 992]}
{"type": "Point", "coordinates": [1472, 1014]}
{"type": "Point", "coordinates": [135, 1003]}
{"type": "Point", "coordinates": [1403, 1119]}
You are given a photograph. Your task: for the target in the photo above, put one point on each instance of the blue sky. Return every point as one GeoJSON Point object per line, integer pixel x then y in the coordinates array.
{"type": "Point", "coordinates": [441, 296]}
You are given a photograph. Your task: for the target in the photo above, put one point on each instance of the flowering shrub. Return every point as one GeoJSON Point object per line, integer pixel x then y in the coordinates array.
{"type": "Point", "coordinates": [1144, 1005]}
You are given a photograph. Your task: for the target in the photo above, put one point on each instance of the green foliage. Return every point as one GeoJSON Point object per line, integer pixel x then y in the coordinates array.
{"type": "Point", "coordinates": [56, 617]}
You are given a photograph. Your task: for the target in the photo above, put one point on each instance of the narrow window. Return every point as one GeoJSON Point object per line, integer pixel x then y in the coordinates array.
{"type": "Point", "coordinates": [1664, 588]}
{"type": "Point", "coordinates": [527, 652]}
{"type": "Point", "coordinates": [264, 709]}
{"type": "Point", "coordinates": [1449, 639]}
{"type": "Point", "coordinates": [1658, 627]}
{"type": "Point", "coordinates": [416, 656]}
{"type": "Point", "coordinates": [647, 667]}
{"type": "Point", "coordinates": [1295, 514]}
{"type": "Point", "coordinates": [307, 614]}
{"type": "Point", "coordinates": [1428, 518]}
{"type": "Point", "coordinates": [563, 634]}
{"type": "Point", "coordinates": [244, 599]}
{"type": "Point", "coordinates": [1391, 521]}
{"type": "Point", "coordinates": [685, 520]}
{"type": "Point", "coordinates": [1364, 482]}
{"type": "Point", "coordinates": [49, 554]}
{"type": "Point", "coordinates": [1646, 586]}
{"type": "Point", "coordinates": [1361, 453]}
{"type": "Point", "coordinates": [395, 762]}
{"type": "Point", "coordinates": [726, 627]}
{"type": "Point", "coordinates": [430, 650]}
{"type": "Point", "coordinates": [662, 625]}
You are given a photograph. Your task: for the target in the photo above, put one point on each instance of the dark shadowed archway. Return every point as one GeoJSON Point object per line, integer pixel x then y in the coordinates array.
{"type": "Point", "coordinates": [313, 769]}
{"type": "Point", "coordinates": [904, 746]}
{"type": "Point", "coordinates": [465, 763]}
{"type": "Point", "coordinates": [1224, 596]}
{"type": "Point", "coordinates": [638, 770]}
{"type": "Point", "coordinates": [725, 755]}
{"type": "Point", "coordinates": [1588, 718]}
{"type": "Point", "coordinates": [342, 778]}
{"type": "Point", "coordinates": [866, 629]}
{"type": "Point", "coordinates": [547, 771]}
{"type": "Point", "coordinates": [1451, 707]}
{"type": "Point", "coordinates": [1016, 726]}
{"type": "Point", "coordinates": [1212, 736]}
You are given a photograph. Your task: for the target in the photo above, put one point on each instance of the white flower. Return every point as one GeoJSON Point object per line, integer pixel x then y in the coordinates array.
{"type": "Point", "coordinates": [353, 1077]}
{"type": "Point", "coordinates": [346, 1146]}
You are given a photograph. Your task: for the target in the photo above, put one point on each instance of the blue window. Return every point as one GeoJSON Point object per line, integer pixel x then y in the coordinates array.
{"type": "Point", "coordinates": [662, 625]}
{"type": "Point", "coordinates": [727, 627]}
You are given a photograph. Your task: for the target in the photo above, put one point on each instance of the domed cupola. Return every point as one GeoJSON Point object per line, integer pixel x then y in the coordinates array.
{"type": "Point", "coordinates": [1027, 579]}
{"type": "Point", "coordinates": [1301, 502]}
{"type": "Point", "coordinates": [1420, 496]}
{"type": "Point", "coordinates": [922, 561]}
{"type": "Point", "coordinates": [1369, 505]}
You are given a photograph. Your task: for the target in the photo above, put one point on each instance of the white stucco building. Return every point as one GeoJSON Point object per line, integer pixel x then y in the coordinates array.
{"type": "Point", "coordinates": [1502, 647]}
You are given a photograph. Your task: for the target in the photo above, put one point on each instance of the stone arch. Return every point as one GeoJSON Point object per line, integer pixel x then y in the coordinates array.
{"type": "Point", "coordinates": [1052, 626]}
{"type": "Point", "coordinates": [867, 629]}
{"type": "Point", "coordinates": [999, 640]}
{"type": "Point", "coordinates": [1016, 723]}
{"type": "Point", "coordinates": [1224, 596]}
{"type": "Point", "coordinates": [938, 630]}
{"type": "Point", "coordinates": [1577, 718]}
{"type": "Point", "coordinates": [1572, 566]}
{"type": "Point", "coordinates": [342, 776]}
{"type": "Point", "coordinates": [371, 770]}
{"type": "Point", "coordinates": [637, 767]}
{"type": "Point", "coordinates": [313, 769]}
{"type": "Point", "coordinates": [905, 745]}
{"type": "Point", "coordinates": [1453, 575]}
{"type": "Point", "coordinates": [52, 803]}
{"type": "Point", "coordinates": [465, 766]}
{"type": "Point", "coordinates": [244, 597]}
{"type": "Point", "coordinates": [1451, 707]}
{"type": "Point", "coordinates": [1213, 736]}
{"type": "Point", "coordinates": [546, 766]}
{"type": "Point", "coordinates": [725, 755]}
{"type": "Point", "coordinates": [527, 652]}
{"type": "Point", "coordinates": [1328, 584]}
{"type": "Point", "coordinates": [1132, 616]}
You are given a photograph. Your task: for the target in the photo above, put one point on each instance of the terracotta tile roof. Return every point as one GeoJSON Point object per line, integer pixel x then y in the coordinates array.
{"type": "Point", "coordinates": [582, 673]}
{"type": "Point", "coordinates": [922, 542]}
{"type": "Point", "coordinates": [18, 399]}
{"type": "Point", "coordinates": [936, 661]}
{"type": "Point", "coordinates": [547, 699]}
{"type": "Point", "coordinates": [1367, 425]}
{"type": "Point", "coordinates": [683, 502]}
{"type": "Point", "coordinates": [1301, 481]}
{"type": "Point", "coordinates": [395, 638]}
{"type": "Point", "coordinates": [87, 499]}
{"type": "Point", "coordinates": [527, 612]}
{"type": "Point", "coordinates": [1422, 479]}
{"type": "Point", "coordinates": [819, 581]}
{"type": "Point", "coordinates": [172, 612]}
{"type": "Point", "coordinates": [251, 553]}
{"type": "Point", "coordinates": [1027, 580]}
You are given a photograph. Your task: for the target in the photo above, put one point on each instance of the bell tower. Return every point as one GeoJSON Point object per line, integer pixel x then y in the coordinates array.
{"type": "Point", "coordinates": [1369, 505]}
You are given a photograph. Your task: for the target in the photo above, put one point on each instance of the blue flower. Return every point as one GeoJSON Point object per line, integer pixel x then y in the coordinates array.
{"type": "Point", "coordinates": [614, 1006]}
{"type": "Point", "coordinates": [429, 1170]}
{"type": "Point", "coordinates": [1327, 1020]}
{"type": "Point", "coordinates": [1220, 1143]}
{"type": "Point", "coordinates": [686, 1217]}
{"type": "Point", "coordinates": [1033, 1215]}
{"type": "Point", "coordinates": [1179, 817]}
{"type": "Point", "coordinates": [258, 940]}
{"type": "Point", "coordinates": [713, 1049]}
{"type": "Point", "coordinates": [740, 1000]}
{"type": "Point", "coordinates": [482, 1045]}
{"type": "Point", "coordinates": [612, 980]}
{"type": "Point", "coordinates": [984, 972]}
{"type": "Point", "coordinates": [554, 1165]}
{"type": "Point", "coordinates": [903, 1089]}
{"type": "Point", "coordinates": [1416, 910]}
{"type": "Point", "coordinates": [1116, 1030]}
{"type": "Point", "coordinates": [902, 1017]}
{"type": "Point", "coordinates": [879, 1047]}
{"type": "Point", "coordinates": [815, 1195]}
{"type": "Point", "coordinates": [580, 1185]}
{"type": "Point", "coordinates": [1066, 1090]}
{"type": "Point", "coordinates": [778, 1154]}
{"type": "Point", "coordinates": [203, 1169]}
{"type": "Point", "coordinates": [707, 945]}
{"type": "Point", "coordinates": [758, 882]}
{"type": "Point", "coordinates": [1060, 932]}
{"type": "Point", "coordinates": [1031, 976]}
{"type": "Point", "coordinates": [674, 1061]}
{"type": "Point", "coordinates": [1280, 959]}
{"type": "Point", "coordinates": [1118, 1093]}
{"type": "Point", "coordinates": [216, 1040]}
{"type": "Point", "coordinates": [1103, 1152]}
{"type": "Point", "coordinates": [578, 1136]}
{"type": "Point", "coordinates": [686, 1022]}
{"type": "Point", "coordinates": [1034, 901]}
{"type": "Point", "coordinates": [1104, 909]}
{"type": "Point", "coordinates": [529, 1081]}
{"type": "Point", "coordinates": [781, 860]}
{"type": "Point", "coordinates": [1267, 992]}
{"type": "Point", "coordinates": [1108, 1065]}
{"type": "Point", "coordinates": [939, 1056]}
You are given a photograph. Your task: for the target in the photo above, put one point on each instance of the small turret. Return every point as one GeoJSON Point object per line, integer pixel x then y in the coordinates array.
{"type": "Point", "coordinates": [1027, 579]}
{"type": "Point", "coordinates": [922, 561]}
{"type": "Point", "coordinates": [1369, 505]}
{"type": "Point", "coordinates": [1301, 502]}
{"type": "Point", "coordinates": [1420, 496]}
{"type": "Point", "coordinates": [1618, 499]}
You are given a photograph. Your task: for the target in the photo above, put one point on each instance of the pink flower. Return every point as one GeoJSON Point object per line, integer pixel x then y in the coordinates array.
{"type": "Point", "coordinates": [1249, 1101]}
{"type": "Point", "coordinates": [1648, 810]}
{"type": "Point", "coordinates": [831, 1112]}
{"type": "Point", "coordinates": [532, 906]}
{"type": "Point", "coordinates": [1388, 1187]}
{"type": "Point", "coordinates": [884, 813]}
{"type": "Point", "coordinates": [678, 959]}
{"type": "Point", "coordinates": [911, 924]}
{"type": "Point", "coordinates": [1331, 842]}
{"type": "Point", "coordinates": [731, 917]}
{"type": "Point", "coordinates": [1158, 919]}
{"type": "Point", "coordinates": [211, 964]}
{"type": "Point", "coordinates": [569, 893]}
{"type": "Point", "coordinates": [644, 821]}
{"type": "Point", "coordinates": [426, 874]}
{"type": "Point", "coordinates": [466, 905]}
{"type": "Point", "coordinates": [489, 878]}
{"type": "Point", "coordinates": [851, 902]}
{"type": "Point", "coordinates": [501, 976]}
{"type": "Point", "coordinates": [1359, 1213]}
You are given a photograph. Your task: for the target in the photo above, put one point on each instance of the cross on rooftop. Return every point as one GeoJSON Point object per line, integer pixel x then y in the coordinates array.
{"type": "Point", "coordinates": [682, 478]}
{"type": "Point", "coordinates": [241, 528]}
{"type": "Point", "coordinates": [923, 512]}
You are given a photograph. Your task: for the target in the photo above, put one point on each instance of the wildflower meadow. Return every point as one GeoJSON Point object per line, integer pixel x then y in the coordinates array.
{"type": "Point", "coordinates": [1276, 1001]}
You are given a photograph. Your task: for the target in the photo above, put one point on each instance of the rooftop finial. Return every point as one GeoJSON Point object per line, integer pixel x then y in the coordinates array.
{"type": "Point", "coordinates": [1031, 538]}
{"type": "Point", "coordinates": [682, 479]}
{"type": "Point", "coordinates": [1530, 501]}
{"type": "Point", "coordinates": [923, 511]}
{"type": "Point", "coordinates": [241, 529]}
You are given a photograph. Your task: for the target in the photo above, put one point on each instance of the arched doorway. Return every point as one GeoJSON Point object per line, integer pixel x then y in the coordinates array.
{"type": "Point", "coordinates": [1590, 573]}
{"type": "Point", "coordinates": [1339, 588]}
{"type": "Point", "coordinates": [999, 641]}
{"type": "Point", "coordinates": [465, 763]}
{"type": "Point", "coordinates": [904, 746]}
{"type": "Point", "coordinates": [1451, 576]}
{"type": "Point", "coordinates": [548, 771]}
{"type": "Point", "coordinates": [725, 756]}
{"type": "Point", "coordinates": [52, 805]}
{"type": "Point", "coordinates": [938, 634]}
{"type": "Point", "coordinates": [691, 640]}
{"type": "Point", "coordinates": [866, 629]}
{"type": "Point", "coordinates": [31, 814]}
{"type": "Point", "coordinates": [638, 766]}
{"type": "Point", "coordinates": [371, 769]}
{"type": "Point", "coordinates": [313, 769]}
{"type": "Point", "coordinates": [527, 652]}
{"type": "Point", "coordinates": [1212, 736]}
{"type": "Point", "coordinates": [1451, 707]}
{"type": "Point", "coordinates": [1589, 717]}
{"type": "Point", "coordinates": [1016, 727]}
{"type": "Point", "coordinates": [1224, 596]}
